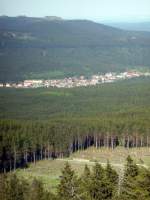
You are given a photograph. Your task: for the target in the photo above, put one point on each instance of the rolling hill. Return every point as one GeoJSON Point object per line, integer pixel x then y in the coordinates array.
{"type": "Point", "coordinates": [52, 47]}
{"type": "Point", "coordinates": [132, 26]}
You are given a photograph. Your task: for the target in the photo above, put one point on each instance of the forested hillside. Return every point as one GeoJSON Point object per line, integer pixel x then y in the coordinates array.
{"type": "Point", "coordinates": [50, 123]}
{"type": "Point", "coordinates": [44, 48]}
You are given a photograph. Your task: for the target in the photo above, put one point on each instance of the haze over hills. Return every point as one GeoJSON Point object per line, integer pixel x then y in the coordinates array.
{"type": "Point", "coordinates": [51, 47]}
{"type": "Point", "coordinates": [133, 26]}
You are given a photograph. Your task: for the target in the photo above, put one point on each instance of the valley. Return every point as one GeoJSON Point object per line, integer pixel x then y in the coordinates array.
{"type": "Point", "coordinates": [72, 82]}
{"type": "Point", "coordinates": [74, 110]}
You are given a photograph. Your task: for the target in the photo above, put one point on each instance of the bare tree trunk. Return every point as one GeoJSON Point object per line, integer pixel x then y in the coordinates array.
{"type": "Point", "coordinates": [96, 143]}
{"type": "Point", "coordinates": [147, 141]}
{"type": "Point", "coordinates": [75, 146]}
{"type": "Point", "coordinates": [81, 146]}
{"type": "Point", "coordinates": [141, 141]}
{"type": "Point", "coordinates": [15, 158]}
{"type": "Point", "coordinates": [78, 145]}
{"type": "Point", "coordinates": [34, 157]}
{"type": "Point", "coordinates": [24, 156]}
{"type": "Point", "coordinates": [89, 141]}
{"type": "Point", "coordinates": [41, 152]}
{"type": "Point", "coordinates": [107, 141]}
{"type": "Point", "coordinates": [128, 142]}
{"type": "Point", "coordinates": [132, 141]}
{"type": "Point", "coordinates": [124, 142]}
{"type": "Point", "coordinates": [136, 142]}
{"type": "Point", "coordinates": [45, 154]}
{"type": "Point", "coordinates": [10, 165]}
{"type": "Point", "coordinates": [112, 143]}
{"type": "Point", "coordinates": [48, 151]}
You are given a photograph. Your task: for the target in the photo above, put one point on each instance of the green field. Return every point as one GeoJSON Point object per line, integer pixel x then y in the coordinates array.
{"type": "Point", "coordinates": [49, 171]}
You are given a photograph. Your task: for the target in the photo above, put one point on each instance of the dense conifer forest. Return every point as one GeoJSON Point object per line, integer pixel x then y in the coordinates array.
{"type": "Point", "coordinates": [40, 124]}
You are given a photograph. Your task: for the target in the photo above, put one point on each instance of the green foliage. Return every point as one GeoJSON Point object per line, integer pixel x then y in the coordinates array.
{"type": "Point", "coordinates": [111, 175]}
{"type": "Point", "coordinates": [100, 188]}
{"type": "Point", "coordinates": [40, 48]}
{"type": "Point", "coordinates": [69, 186]}
{"type": "Point", "coordinates": [14, 189]}
{"type": "Point", "coordinates": [95, 184]}
{"type": "Point", "coordinates": [135, 183]}
{"type": "Point", "coordinates": [37, 191]}
{"type": "Point", "coordinates": [85, 183]}
{"type": "Point", "coordinates": [50, 121]}
{"type": "Point", "coordinates": [122, 101]}
{"type": "Point", "coordinates": [131, 168]}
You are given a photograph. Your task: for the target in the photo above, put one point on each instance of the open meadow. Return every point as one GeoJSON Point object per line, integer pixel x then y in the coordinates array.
{"type": "Point", "coordinates": [49, 171]}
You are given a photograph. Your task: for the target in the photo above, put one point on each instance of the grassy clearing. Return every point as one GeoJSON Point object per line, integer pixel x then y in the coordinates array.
{"type": "Point", "coordinates": [118, 155]}
{"type": "Point", "coordinates": [49, 170]}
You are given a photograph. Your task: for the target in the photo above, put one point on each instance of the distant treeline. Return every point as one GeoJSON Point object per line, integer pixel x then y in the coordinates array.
{"type": "Point", "coordinates": [97, 184]}
{"type": "Point", "coordinates": [23, 142]}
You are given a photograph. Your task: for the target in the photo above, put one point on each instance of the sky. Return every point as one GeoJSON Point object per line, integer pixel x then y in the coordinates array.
{"type": "Point", "coordinates": [98, 10]}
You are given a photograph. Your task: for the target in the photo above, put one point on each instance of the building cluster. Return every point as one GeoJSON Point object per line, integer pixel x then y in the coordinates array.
{"type": "Point", "coordinates": [76, 82]}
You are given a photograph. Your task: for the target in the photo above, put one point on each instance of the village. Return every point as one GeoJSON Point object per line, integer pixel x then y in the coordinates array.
{"type": "Point", "coordinates": [76, 82]}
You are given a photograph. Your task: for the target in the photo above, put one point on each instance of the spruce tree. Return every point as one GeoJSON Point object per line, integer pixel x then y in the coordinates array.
{"type": "Point", "coordinates": [131, 169]}
{"type": "Point", "coordinates": [37, 191]}
{"type": "Point", "coordinates": [100, 189]}
{"type": "Point", "coordinates": [69, 187]}
{"type": "Point", "coordinates": [3, 178]}
{"type": "Point", "coordinates": [85, 181]}
{"type": "Point", "coordinates": [112, 180]}
{"type": "Point", "coordinates": [13, 188]}
{"type": "Point", "coordinates": [130, 184]}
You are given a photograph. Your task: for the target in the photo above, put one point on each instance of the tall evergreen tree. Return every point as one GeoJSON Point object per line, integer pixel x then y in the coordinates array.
{"type": "Point", "coordinates": [100, 189]}
{"type": "Point", "coordinates": [85, 183]}
{"type": "Point", "coordinates": [13, 188]}
{"type": "Point", "coordinates": [112, 180]}
{"type": "Point", "coordinates": [131, 169]}
{"type": "Point", "coordinates": [69, 188]}
{"type": "Point", "coordinates": [3, 178]}
{"type": "Point", "coordinates": [37, 191]}
{"type": "Point", "coordinates": [129, 187]}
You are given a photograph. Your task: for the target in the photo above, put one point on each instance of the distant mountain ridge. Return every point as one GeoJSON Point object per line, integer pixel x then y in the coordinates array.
{"type": "Point", "coordinates": [132, 26]}
{"type": "Point", "coordinates": [54, 48]}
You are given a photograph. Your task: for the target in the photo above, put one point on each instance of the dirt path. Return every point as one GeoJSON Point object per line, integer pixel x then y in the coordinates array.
{"type": "Point", "coordinates": [80, 160]}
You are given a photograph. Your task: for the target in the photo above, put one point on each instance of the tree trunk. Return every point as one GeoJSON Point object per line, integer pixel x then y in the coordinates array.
{"type": "Point", "coordinates": [147, 141]}
{"type": "Point", "coordinates": [10, 165]}
{"type": "Point", "coordinates": [45, 153]}
{"type": "Point", "coordinates": [34, 157]}
{"type": "Point", "coordinates": [107, 141]}
{"type": "Point", "coordinates": [136, 142]}
{"type": "Point", "coordinates": [112, 143]}
{"type": "Point", "coordinates": [141, 141]}
{"type": "Point", "coordinates": [96, 143]}
{"type": "Point", "coordinates": [78, 145]}
{"type": "Point", "coordinates": [48, 151]}
{"type": "Point", "coordinates": [128, 142]}
{"type": "Point", "coordinates": [15, 158]}
{"type": "Point", "coordinates": [41, 152]}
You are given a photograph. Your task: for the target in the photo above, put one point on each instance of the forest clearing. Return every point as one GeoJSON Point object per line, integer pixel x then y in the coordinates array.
{"type": "Point", "coordinates": [49, 171]}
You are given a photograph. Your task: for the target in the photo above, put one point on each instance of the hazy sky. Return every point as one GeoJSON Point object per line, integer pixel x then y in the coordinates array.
{"type": "Point", "coordinates": [81, 9]}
